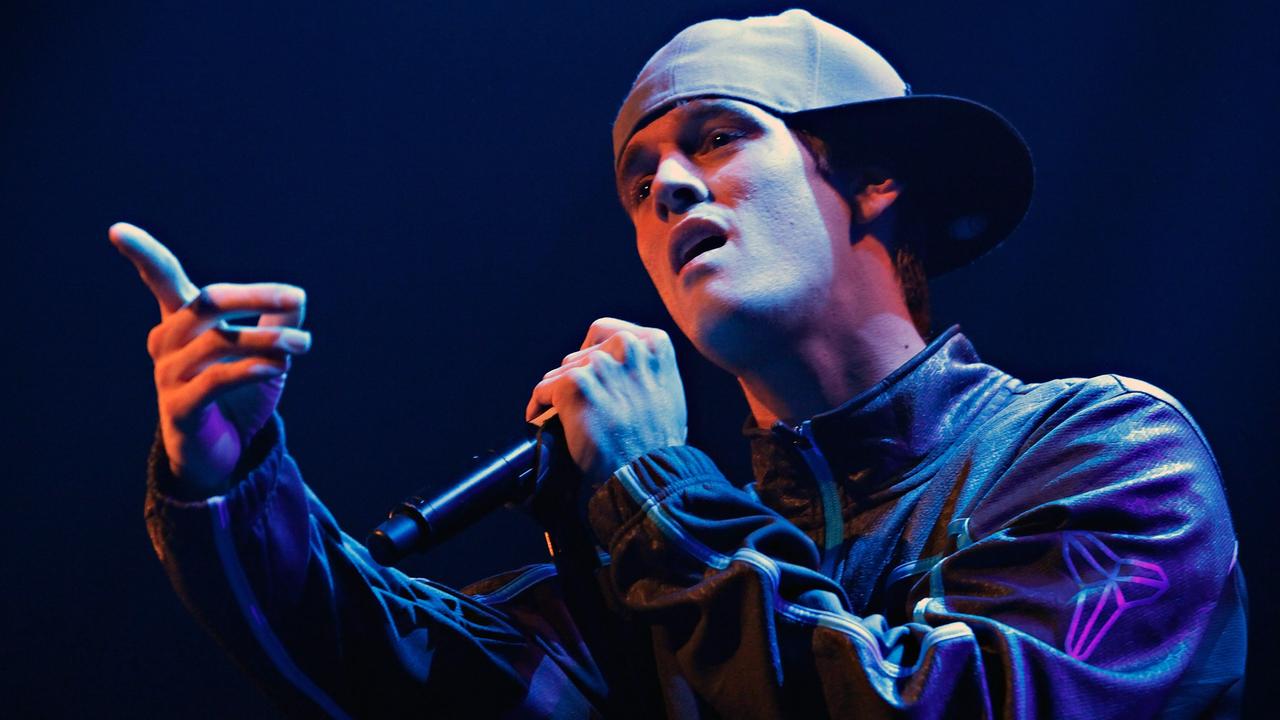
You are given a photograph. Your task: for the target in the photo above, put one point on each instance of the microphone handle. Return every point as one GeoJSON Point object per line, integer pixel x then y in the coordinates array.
{"type": "Point", "coordinates": [419, 524]}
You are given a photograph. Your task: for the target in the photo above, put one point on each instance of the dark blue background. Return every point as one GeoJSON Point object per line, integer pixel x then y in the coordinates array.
{"type": "Point", "coordinates": [438, 177]}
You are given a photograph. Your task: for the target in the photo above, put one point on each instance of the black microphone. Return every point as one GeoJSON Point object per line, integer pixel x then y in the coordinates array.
{"type": "Point", "coordinates": [496, 478]}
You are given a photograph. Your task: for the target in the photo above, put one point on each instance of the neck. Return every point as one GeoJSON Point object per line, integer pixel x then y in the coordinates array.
{"type": "Point", "coordinates": [864, 334]}
{"type": "Point", "coordinates": [825, 372]}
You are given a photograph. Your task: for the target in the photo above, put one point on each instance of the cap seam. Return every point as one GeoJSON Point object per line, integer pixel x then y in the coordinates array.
{"type": "Point", "coordinates": [946, 132]}
{"type": "Point", "coordinates": [817, 64]}
{"type": "Point", "coordinates": [671, 70]}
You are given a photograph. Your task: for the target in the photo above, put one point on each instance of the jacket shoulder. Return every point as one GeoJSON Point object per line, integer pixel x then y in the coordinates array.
{"type": "Point", "coordinates": [1158, 396]}
{"type": "Point", "coordinates": [1110, 395]}
{"type": "Point", "coordinates": [1098, 387]}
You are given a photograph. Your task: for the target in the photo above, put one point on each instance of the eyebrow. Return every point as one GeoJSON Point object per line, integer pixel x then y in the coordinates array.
{"type": "Point", "coordinates": [635, 153]}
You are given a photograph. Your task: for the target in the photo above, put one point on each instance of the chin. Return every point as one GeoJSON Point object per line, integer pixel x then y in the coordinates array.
{"type": "Point", "coordinates": [731, 330]}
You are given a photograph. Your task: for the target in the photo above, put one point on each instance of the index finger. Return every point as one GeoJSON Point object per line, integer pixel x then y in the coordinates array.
{"type": "Point", "coordinates": [159, 268]}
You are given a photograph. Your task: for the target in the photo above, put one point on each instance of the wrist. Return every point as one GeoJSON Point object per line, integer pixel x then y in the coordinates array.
{"type": "Point", "coordinates": [185, 477]}
{"type": "Point", "coordinates": [190, 483]}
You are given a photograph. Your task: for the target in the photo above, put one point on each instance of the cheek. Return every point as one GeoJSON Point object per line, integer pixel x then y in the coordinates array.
{"type": "Point", "coordinates": [647, 250]}
{"type": "Point", "coordinates": [783, 204]}
{"type": "Point", "coordinates": [773, 178]}
{"type": "Point", "coordinates": [653, 256]}
{"type": "Point", "coordinates": [654, 259]}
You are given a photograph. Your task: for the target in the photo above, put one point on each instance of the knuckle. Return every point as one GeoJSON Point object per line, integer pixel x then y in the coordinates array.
{"type": "Point", "coordinates": [664, 347]}
{"type": "Point", "coordinates": [280, 338]}
{"type": "Point", "coordinates": [172, 407]}
{"type": "Point", "coordinates": [205, 301]}
{"type": "Point", "coordinates": [221, 336]}
{"type": "Point", "coordinates": [155, 340]}
{"type": "Point", "coordinates": [578, 379]}
{"type": "Point", "coordinates": [201, 348]}
{"type": "Point", "coordinates": [210, 376]}
{"type": "Point", "coordinates": [626, 346]}
{"type": "Point", "coordinates": [196, 395]}
{"type": "Point", "coordinates": [274, 339]}
{"type": "Point", "coordinates": [167, 371]}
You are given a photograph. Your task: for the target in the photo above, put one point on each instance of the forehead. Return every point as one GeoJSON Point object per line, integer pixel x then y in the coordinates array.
{"type": "Point", "coordinates": [684, 117]}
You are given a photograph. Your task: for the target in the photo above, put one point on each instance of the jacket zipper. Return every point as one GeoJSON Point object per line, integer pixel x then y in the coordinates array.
{"type": "Point", "coordinates": [832, 518]}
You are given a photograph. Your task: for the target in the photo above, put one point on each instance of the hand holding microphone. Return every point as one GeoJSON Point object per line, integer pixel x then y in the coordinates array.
{"type": "Point", "coordinates": [615, 399]}
{"type": "Point", "coordinates": [618, 397]}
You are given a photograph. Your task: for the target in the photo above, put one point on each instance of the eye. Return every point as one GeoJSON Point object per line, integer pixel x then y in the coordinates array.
{"type": "Point", "coordinates": [720, 138]}
{"type": "Point", "coordinates": [640, 190]}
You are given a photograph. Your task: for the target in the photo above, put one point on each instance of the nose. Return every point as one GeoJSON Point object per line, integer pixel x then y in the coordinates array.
{"type": "Point", "coordinates": [677, 187]}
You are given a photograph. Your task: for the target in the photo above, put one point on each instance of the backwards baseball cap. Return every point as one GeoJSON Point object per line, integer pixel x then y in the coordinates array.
{"type": "Point", "coordinates": [966, 170]}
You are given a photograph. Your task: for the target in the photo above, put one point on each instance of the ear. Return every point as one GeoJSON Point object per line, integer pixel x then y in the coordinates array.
{"type": "Point", "coordinates": [873, 199]}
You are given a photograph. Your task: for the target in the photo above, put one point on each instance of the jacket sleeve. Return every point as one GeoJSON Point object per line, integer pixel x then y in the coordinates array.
{"type": "Point", "coordinates": [324, 630]}
{"type": "Point", "coordinates": [1084, 584]}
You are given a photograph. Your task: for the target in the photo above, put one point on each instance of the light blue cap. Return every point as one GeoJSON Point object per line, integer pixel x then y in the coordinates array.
{"type": "Point", "coordinates": [786, 63]}
{"type": "Point", "coordinates": [967, 172]}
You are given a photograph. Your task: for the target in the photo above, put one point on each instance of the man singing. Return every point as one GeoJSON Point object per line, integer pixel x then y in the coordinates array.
{"type": "Point", "coordinates": [924, 535]}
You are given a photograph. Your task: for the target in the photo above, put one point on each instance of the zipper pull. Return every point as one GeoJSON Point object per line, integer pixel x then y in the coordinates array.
{"type": "Point", "coordinates": [796, 434]}
{"type": "Point", "coordinates": [832, 518]}
{"type": "Point", "coordinates": [804, 436]}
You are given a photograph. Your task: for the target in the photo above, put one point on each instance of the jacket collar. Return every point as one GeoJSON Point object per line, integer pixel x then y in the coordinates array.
{"type": "Point", "coordinates": [876, 438]}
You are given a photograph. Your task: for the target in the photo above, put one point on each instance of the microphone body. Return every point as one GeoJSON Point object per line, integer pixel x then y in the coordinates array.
{"type": "Point", "coordinates": [498, 477]}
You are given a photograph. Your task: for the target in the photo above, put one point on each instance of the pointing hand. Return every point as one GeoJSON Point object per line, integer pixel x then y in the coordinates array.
{"type": "Point", "coordinates": [217, 383]}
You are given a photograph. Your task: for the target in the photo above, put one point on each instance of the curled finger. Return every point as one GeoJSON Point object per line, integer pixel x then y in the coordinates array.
{"type": "Point", "coordinates": [578, 359]}
{"type": "Point", "coordinates": [227, 301]}
{"type": "Point", "coordinates": [604, 328]}
{"type": "Point", "coordinates": [292, 318]}
{"type": "Point", "coordinates": [565, 388]}
{"type": "Point", "coordinates": [219, 378]}
{"type": "Point", "coordinates": [540, 398]}
{"type": "Point", "coordinates": [625, 347]}
{"type": "Point", "coordinates": [227, 342]}
{"type": "Point", "coordinates": [572, 358]}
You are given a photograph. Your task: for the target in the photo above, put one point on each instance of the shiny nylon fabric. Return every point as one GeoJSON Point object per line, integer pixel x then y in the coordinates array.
{"type": "Point", "coordinates": [1061, 550]}
{"type": "Point", "coordinates": [990, 529]}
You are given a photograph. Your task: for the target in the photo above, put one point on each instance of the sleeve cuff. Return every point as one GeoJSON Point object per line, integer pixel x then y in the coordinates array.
{"type": "Point", "coordinates": [255, 475]}
{"type": "Point", "coordinates": [645, 481]}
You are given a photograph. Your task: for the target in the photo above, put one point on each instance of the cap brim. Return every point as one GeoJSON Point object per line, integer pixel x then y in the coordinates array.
{"type": "Point", "coordinates": [967, 171]}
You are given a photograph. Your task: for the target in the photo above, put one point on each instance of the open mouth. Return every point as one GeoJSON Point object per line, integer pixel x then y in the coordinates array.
{"type": "Point", "coordinates": [706, 244]}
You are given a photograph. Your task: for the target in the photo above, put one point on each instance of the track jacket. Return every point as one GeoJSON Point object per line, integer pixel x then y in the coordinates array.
{"type": "Point", "coordinates": [950, 542]}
